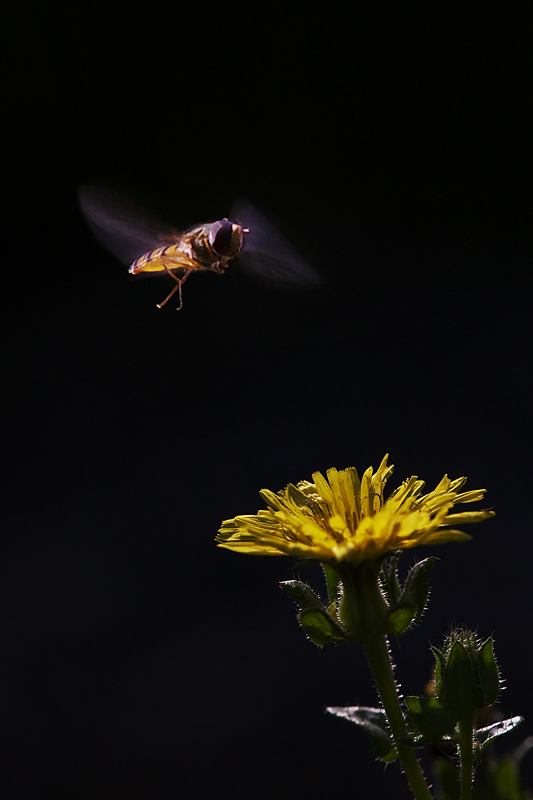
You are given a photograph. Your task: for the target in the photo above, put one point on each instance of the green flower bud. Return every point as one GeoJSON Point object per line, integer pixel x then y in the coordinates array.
{"type": "Point", "coordinates": [467, 673]}
{"type": "Point", "coordinates": [460, 685]}
{"type": "Point", "coordinates": [466, 680]}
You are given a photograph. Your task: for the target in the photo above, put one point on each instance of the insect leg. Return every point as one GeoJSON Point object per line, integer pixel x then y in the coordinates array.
{"type": "Point", "coordinates": [177, 287]}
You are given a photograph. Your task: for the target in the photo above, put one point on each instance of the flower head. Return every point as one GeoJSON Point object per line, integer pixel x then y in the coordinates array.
{"type": "Point", "coordinates": [344, 518]}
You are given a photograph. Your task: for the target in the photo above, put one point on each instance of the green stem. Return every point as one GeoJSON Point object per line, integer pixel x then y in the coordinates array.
{"type": "Point", "coordinates": [466, 755]}
{"type": "Point", "coordinates": [379, 660]}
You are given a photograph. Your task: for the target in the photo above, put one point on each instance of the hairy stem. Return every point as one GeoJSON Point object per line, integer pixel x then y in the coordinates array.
{"type": "Point", "coordinates": [379, 660]}
{"type": "Point", "coordinates": [466, 754]}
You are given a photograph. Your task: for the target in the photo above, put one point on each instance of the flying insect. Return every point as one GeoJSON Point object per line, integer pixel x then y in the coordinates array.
{"type": "Point", "coordinates": [147, 245]}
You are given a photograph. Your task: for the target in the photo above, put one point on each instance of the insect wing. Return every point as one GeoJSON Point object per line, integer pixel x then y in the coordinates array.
{"type": "Point", "coordinates": [121, 226]}
{"type": "Point", "coordinates": [266, 252]}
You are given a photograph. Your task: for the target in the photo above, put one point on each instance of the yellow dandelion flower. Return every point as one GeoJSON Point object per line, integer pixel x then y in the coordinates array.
{"type": "Point", "coordinates": [342, 518]}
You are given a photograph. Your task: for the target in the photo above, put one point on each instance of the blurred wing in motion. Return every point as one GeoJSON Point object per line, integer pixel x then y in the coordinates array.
{"type": "Point", "coordinates": [120, 226]}
{"type": "Point", "coordinates": [266, 252]}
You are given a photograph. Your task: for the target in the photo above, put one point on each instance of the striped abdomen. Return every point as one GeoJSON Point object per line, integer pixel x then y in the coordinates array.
{"type": "Point", "coordinates": [162, 259]}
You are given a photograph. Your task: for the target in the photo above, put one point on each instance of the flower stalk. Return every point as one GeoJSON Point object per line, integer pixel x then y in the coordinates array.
{"type": "Point", "coordinates": [378, 656]}
{"type": "Point", "coordinates": [466, 755]}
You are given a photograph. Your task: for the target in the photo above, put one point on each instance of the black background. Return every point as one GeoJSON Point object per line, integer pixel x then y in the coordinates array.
{"type": "Point", "coordinates": [394, 145]}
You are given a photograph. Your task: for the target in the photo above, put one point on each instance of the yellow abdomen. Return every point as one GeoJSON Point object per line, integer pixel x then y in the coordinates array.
{"type": "Point", "coordinates": [162, 259]}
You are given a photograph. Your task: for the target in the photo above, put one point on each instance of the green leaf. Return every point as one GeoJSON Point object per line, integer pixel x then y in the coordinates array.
{"type": "Point", "coordinates": [439, 714]}
{"type": "Point", "coordinates": [320, 627]}
{"type": "Point", "coordinates": [488, 675]}
{"type": "Point", "coordinates": [374, 723]}
{"type": "Point", "coordinates": [484, 735]}
{"type": "Point", "coordinates": [431, 718]}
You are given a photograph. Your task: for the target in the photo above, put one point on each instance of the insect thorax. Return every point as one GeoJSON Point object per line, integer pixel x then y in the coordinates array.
{"type": "Point", "coordinates": [196, 245]}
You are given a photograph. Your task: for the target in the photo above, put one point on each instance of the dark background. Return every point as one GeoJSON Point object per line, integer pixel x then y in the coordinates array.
{"type": "Point", "coordinates": [394, 145]}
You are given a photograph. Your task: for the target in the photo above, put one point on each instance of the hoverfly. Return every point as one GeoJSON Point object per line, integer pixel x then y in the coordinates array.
{"type": "Point", "coordinates": [147, 245]}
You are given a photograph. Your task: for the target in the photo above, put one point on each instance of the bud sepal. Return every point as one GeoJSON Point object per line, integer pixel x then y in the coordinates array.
{"type": "Point", "coordinates": [318, 621]}
{"type": "Point", "coordinates": [407, 604]}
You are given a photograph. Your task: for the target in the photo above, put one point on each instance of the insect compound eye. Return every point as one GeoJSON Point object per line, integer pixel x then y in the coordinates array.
{"type": "Point", "coordinates": [220, 237]}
